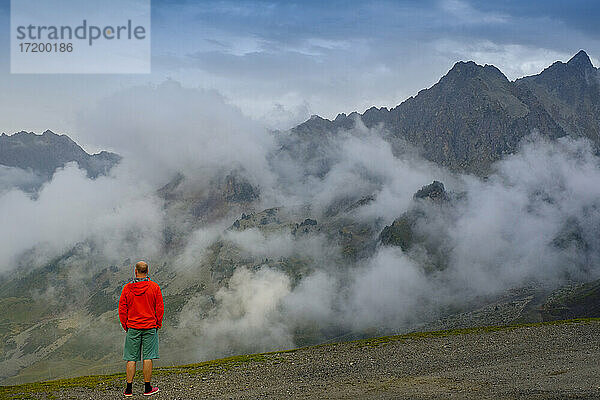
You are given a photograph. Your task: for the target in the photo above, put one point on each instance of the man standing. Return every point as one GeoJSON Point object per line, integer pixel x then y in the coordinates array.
{"type": "Point", "coordinates": [141, 312]}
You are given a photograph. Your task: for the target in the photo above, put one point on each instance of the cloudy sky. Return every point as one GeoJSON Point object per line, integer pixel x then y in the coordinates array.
{"type": "Point", "coordinates": [280, 62]}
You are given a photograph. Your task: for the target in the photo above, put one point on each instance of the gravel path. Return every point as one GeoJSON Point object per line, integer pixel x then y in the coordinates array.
{"type": "Point", "coordinates": [538, 362]}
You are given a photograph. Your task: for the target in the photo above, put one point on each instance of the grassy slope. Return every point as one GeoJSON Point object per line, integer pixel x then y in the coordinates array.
{"type": "Point", "coordinates": [98, 382]}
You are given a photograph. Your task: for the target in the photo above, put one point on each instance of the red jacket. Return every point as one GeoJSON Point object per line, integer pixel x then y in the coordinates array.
{"type": "Point", "coordinates": [141, 305]}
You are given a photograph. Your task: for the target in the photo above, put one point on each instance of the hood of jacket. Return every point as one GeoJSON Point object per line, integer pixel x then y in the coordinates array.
{"type": "Point", "coordinates": [138, 288]}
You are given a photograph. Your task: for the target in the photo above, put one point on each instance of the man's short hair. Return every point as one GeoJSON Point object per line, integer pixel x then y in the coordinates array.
{"type": "Point", "coordinates": [141, 267]}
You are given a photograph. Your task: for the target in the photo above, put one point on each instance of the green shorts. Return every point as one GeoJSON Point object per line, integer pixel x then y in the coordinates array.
{"type": "Point", "coordinates": [138, 339]}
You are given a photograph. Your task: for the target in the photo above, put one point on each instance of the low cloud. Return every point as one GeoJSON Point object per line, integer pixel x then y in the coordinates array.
{"type": "Point", "coordinates": [11, 178]}
{"type": "Point", "coordinates": [167, 128]}
{"type": "Point", "coordinates": [533, 221]}
{"type": "Point", "coordinates": [246, 316]}
{"type": "Point", "coordinates": [120, 216]}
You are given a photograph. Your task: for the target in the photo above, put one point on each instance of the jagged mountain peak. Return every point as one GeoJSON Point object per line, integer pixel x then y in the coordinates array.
{"type": "Point", "coordinates": [474, 115]}
{"type": "Point", "coordinates": [571, 93]}
{"type": "Point", "coordinates": [581, 60]}
{"type": "Point", "coordinates": [579, 65]}
{"type": "Point", "coordinates": [470, 69]}
{"type": "Point", "coordinates": [340, 117]}
{"type": "Point", "coordinates": [463, 69]}
{"type": "Point", "coordinates": [51, 135]}
{"type": "Point", "coordinates": [461, 66]}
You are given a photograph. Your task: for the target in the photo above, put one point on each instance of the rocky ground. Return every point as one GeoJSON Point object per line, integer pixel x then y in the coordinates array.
{"type": "Point", "coordinates": [542, 361]}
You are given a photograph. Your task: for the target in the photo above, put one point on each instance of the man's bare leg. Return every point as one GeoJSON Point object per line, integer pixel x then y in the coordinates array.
{"type": "Point", "coordinates": [147, 368]}
{"type": "Point", "coordinates": [130, 371]}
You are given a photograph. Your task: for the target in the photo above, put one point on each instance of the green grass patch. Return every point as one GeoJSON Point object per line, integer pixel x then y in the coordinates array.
{"type": "Point", "coordinates": [374, 342]}
{"type": "Point", "coordinates": [25, 391]}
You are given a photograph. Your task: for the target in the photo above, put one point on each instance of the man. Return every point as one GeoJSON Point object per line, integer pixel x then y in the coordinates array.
{"type": "Point", "coordinates": [141, 312]}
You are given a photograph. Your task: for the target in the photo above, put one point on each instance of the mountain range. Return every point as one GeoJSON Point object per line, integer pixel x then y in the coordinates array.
{"type": "Point", "coordinates": [469, 119]}
{"type": "Point", "coordinates": [473, 117]}
{"type": "Point", "coordinates": [43, 154]}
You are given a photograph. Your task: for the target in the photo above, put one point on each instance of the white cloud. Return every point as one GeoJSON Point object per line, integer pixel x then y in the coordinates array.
{"type": "Point", "coordinates": [246, 317]}
{"type": "Point", "coordinates": [168, 128]}
{"type": "Point", "coordinates": [514, 60]}
{"type": "Point", "coordinates": [119, 215]}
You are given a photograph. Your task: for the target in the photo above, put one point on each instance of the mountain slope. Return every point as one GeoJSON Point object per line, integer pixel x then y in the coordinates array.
{"type": "Point", "coordinates": [542, 361]}
{"type": "Point", "coordinates": [570, 93]}
{"type": "Point", "coordinates": [44, 153]}
{"type": "Point", "coordinates": [474, 115]}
